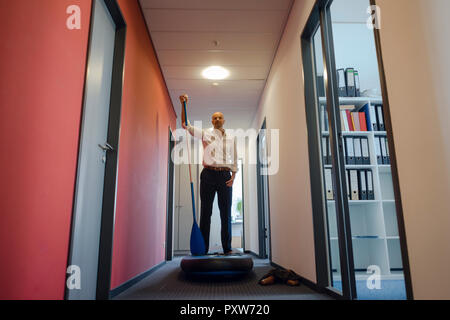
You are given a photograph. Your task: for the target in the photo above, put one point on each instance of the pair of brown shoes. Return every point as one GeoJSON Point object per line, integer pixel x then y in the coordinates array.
{"type": "Point", "coordinates": [288, 277]}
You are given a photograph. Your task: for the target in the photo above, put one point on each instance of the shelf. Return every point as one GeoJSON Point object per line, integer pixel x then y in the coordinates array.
{"type": "Point", "coordinates": [356, 202]}
{"type": "Point", "coordinates": [359, 166]}
{"type": "Point", "coordinates": [384, 168]}
{"type": "Point", "coordinates": [358, 133]}
{"type": "Point", "coordinates": [392, 238]}
{"type": "Point", "coordinates": [362, 202]}
{"type": "Point", "coordinates": [357, 101]}
{"type": "Point", "coordinates": [362, 238]}
{"type": "Point", "coordinates": [373, 222]}
{"type": "Point", "coordinates": [367, 237]}
{"type": "Point", "coordinates": [352, 166]}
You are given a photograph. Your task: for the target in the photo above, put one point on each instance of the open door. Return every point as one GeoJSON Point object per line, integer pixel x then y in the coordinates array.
{"type": "Point", "coordinates": [263, 196]}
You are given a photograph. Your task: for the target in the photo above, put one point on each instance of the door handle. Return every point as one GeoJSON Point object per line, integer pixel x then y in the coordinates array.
{"type": "Point", "coordinates": [106, 147]}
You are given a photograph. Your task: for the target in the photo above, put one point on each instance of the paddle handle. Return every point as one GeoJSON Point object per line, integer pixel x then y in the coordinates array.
{"type": "Point", "coordinates": [185, 113]}
{"type": "Point", "coordinates": [189, 162]}
{"type": "Point", "coordinates": [193, 201]}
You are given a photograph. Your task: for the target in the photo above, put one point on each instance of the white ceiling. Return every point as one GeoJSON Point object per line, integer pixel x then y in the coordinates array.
{"type": "Point", "coordinates": [247, 31]}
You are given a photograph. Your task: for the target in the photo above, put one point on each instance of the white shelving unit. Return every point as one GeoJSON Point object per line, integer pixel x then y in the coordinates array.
{"type": "Point", "coordinates": [373, 222]}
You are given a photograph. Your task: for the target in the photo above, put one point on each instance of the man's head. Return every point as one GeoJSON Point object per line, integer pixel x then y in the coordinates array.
{"type": "Point", "coordinates": [218, 120]}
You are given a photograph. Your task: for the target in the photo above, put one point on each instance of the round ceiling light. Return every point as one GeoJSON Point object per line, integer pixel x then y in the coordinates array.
{"type": "Point", "coordinates": [215, 73]}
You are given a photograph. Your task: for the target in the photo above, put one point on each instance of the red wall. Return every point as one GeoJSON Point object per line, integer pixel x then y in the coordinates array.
{"type": "Point", "coordinates": [42, 66]}
{"type": "Point", "coordinates": [147, 112]}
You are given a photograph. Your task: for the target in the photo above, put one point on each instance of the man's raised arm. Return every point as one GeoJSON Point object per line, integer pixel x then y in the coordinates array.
{"type": "Point", "coordinates": [196, 132]}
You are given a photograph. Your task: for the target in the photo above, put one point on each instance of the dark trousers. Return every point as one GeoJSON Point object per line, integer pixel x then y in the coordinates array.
{"type": "Point", "coordinates": [211, 182]}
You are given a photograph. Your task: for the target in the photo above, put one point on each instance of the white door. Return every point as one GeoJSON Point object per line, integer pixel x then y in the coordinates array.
{"type": "Point", "coordinates": [183, 213]}
{"type": "Point", "coordinates": [91, 164]}
{"type": "Point", "coordinates": [183, 206]}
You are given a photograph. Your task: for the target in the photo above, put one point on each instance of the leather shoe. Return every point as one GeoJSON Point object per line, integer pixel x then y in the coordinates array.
{"type": "Point", "coordinates": [268, 280]}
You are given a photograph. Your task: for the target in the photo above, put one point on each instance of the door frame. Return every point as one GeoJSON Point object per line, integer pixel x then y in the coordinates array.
{"type": "Point", "coordinates": [320, 16]}
{"type": "Point", "coordinates": [261, 212]}
{"type": "Point", "coordinates": [243, 207]}
{"type": "Point", "coordinates": [170, 199]}
{"type": "Point", "coordinates": [394, 165]}
{"type": "Point", "coordinates": [111, 165]}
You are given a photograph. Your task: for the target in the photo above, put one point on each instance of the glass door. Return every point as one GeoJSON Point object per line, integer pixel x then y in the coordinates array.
{"type": "Point", "coordinates": [374, 230]}
{"type": "Point", "coordinates": [327, 168]}
{"type": "Point", "coordinates": [263, 195]}
{"type": "Point", "coordinates": [358, 226]}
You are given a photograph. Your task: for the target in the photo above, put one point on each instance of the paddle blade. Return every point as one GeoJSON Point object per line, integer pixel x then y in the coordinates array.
{"type": "Point", "coordinates": [197, 242]}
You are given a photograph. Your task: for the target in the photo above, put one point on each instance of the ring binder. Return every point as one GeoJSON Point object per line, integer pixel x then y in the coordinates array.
{"type": "Point", "coordinates": [350, 150]}
{"type": "Point", "coordinates": [350, 82]}
{"type": "Point", "coordinates": [388, 158]}
{"type": "Point", "coordinates": [362, 185]}
{"type": "Point", "coordinates": [370, 191]}
{"type": "Point", "coordinates": [358, 153]}
{"type": "Point", "coordinates": [365, 150]}
{"type": "Point", "coordinates": [342, 88]}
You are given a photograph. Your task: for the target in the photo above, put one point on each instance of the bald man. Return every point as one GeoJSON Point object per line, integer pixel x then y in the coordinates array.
{"type": "Point", "coordinates": [220, 167]}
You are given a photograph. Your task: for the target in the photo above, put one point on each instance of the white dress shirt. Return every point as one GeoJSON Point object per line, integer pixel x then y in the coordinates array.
{"type": "Point", "coordinates": [219, 150]}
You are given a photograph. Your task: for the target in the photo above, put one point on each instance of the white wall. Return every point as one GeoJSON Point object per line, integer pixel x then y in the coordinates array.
{"type": "Point", "coordinates": [416, 50]}
{"type": "Point", "coordinates": [415, 47]}
{"type": "Point", "coordinates": [282, 103]}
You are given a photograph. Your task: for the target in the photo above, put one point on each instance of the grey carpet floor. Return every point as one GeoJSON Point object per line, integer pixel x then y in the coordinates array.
{"type": "Point", "coordinates": [170, 283]}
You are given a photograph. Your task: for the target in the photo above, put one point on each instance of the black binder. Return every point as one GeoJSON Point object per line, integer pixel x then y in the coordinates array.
{"type": "Point", "coordinates": [373, 118]}
{"type": "Point", "coordinates": [357, 84]}
{"type": "Point", "coordinates": [328, 151]}
{"type": "Point", "coordinates": [347, 176]}
{"type": "Point", "coordinates": [378, 152]}
{"type": "Point", "coordinates": [388, 157]}
{"type": "Point", "coordinates": [362, 185]}
{"type": "Point", "coordinates": [370, 192]}
{"type": "Point", "coordinates": [380, 118]}
{"type": "Point", "coordinates": [358, 151]}
{"type": "Point", "coordinates": [324, 150]}
{"type": "Point", "coordinates": [350, 82]}
{"type": "Point", "coordinates": [383, 150]}
{"type": "Point", "coordinates": [342, 88]}
{"type": "Point", "coordinates": [365, 150]}
{"type": "Point", "coordinates": [349, 150]}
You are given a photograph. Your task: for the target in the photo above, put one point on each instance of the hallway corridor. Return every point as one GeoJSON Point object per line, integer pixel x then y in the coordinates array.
{"type": "Point", "coordinates": [170, 283]}
{"type": "Point", "coordinates": [134, 133]}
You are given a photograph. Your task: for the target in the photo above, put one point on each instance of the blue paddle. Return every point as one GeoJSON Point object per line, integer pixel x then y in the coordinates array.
{"type": "Point", "coordinates": [197, 242]}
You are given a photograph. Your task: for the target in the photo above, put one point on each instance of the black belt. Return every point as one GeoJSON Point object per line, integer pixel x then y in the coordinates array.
{"type": "Point", "coordinates": [217, 168]}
